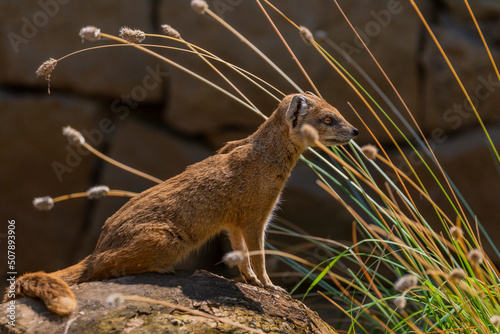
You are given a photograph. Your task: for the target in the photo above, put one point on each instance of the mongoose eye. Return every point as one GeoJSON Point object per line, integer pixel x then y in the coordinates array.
{"type": "Point", "coordinates": [329, 121]}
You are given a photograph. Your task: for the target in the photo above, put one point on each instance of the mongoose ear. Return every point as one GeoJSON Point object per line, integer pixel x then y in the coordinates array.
{"type": "Point", "coordinates": [297, 107]}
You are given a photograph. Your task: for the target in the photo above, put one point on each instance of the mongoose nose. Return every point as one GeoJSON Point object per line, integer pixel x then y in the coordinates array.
{"type": "Point", "coordinates": [355, 132]}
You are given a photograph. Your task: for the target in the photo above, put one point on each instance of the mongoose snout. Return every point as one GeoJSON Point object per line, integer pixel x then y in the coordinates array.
{"type": "Point", "coordinates": [235, 190]}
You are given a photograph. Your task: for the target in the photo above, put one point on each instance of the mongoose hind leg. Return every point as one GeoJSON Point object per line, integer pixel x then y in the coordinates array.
{"type": "Point", "coordinates": [238, 244]}
{"type": "Point", "coordinates": [151, 251]}
{"type": "Point", "coordinates": [118, 263]}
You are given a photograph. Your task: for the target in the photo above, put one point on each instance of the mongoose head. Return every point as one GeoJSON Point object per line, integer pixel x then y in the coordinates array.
{"type": "Point", "coordinates": [309, 109]}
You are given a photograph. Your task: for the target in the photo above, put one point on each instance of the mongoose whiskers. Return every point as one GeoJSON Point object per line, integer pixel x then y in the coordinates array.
{"type": "Point", "coordinates": [235, 190]}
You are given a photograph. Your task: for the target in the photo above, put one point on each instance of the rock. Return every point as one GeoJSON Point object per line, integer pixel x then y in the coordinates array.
{"type": "Point", "coordinates": [31, 130]}
{"type": "Point", "coordinates": [446, 107]}
{"type": "Point", "coordinates": [32, 32]}
{"type": "Point", "coordinates": [200, 291]}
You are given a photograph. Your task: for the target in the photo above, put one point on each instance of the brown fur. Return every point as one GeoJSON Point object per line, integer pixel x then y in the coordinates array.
{"type": "Point", "coordinates": [235, 190]}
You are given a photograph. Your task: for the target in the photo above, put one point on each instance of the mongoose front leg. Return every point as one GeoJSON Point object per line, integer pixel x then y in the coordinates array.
{"type": "Point", "coordinates": [254, 239]}
{"type": "Point", "coordinates": [238, 244]}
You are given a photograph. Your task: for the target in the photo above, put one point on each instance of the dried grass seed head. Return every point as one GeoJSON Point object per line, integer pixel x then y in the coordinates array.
{"type": "Point", "coordinates": [495, 320]}
{"type": "Point", "coordinates": [132, 35]}
{"type": "Point", "coordinates": [46, 68]}
{"type": "Point", "coordinates": [114, 300]}
{"type": "Point", "coordinates": [306, 35]}
{"type": "Point", "coordinates": [169, 31]}
{"type": "Point", "coordinates": [457, 274]}
{"type": "Point", "coordinates": [456, 232]}
{"type": "Point", "coordinates": [90, 33]}
{"type": "Point", "coordinates": [310, 134]}
{"type": "Point", "coordinates": [199, 6]}
{"type": "Point", "coordinates": [400, 302]}
{"type": "Point", "coordinates": [475, 257]}
{"type": "Point", "coordinates": [370, 151]}
{"type": "Point", "coordinates": [233, 258]}
{"type": "Point", "coordinates": [43, 203]}
{"type": "Point", "coordinates": [405, 282]}
{"type": "Point", "coordinates": [75, 138]}
{"type": "Point", "coordinates": [97, 192]}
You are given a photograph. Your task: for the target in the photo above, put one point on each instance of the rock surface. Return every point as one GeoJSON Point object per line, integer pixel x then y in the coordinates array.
{"type": "Point", "coordinates": [260, 309]}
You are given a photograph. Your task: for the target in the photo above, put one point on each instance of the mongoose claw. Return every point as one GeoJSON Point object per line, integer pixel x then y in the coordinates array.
{"type": "Point", "coordinates": [253, 280]}
{"type": "Point", "coordinates": [256, 282]}
{"type": "Point", "coordinates": [275, 288]}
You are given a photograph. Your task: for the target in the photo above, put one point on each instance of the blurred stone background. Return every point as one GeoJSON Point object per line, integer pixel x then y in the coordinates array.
{"type": "Point", "coordinates": [158, 119]}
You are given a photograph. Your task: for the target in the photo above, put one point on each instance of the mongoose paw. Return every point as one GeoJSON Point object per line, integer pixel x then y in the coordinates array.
{"type": "Point", "coordinates": [275, 288]}
{"type": "Point", "coordinates": [253, 280]}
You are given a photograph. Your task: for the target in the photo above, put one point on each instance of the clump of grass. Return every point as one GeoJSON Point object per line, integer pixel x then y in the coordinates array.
{"type": "Point", "coordinates": [398, 274]}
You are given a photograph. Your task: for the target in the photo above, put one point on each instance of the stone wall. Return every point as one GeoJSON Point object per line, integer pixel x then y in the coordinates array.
{"type": "Point", "coordinates": [158, 119]}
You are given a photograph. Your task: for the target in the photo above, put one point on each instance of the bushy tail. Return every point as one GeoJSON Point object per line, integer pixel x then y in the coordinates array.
{"type": "Point", "coordinates": [53, 288]}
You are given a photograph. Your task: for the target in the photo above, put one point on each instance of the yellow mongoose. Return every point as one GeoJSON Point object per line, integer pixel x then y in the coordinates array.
{"type": "Point", "coordinates": [236, 190]}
